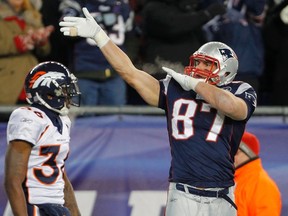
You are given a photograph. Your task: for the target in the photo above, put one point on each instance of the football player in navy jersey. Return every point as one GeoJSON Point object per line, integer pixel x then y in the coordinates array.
{"type": "Point", "coordinates": [206, 116]}
{"type": "Point", "coordinates": [38, 139]}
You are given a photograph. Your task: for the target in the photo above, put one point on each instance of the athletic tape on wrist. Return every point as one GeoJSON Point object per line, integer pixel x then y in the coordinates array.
{"type": "Point", "coordinates": [101, 38]}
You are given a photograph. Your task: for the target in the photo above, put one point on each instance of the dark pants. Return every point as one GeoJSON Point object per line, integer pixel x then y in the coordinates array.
{"type": "Point", "coordinates": [52, 210]}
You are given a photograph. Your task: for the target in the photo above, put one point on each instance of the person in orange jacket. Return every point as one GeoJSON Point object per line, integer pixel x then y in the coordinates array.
{"type": "Point", "coordinates": [256, 194]}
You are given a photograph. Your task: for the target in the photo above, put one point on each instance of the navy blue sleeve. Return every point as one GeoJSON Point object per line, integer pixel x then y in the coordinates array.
{"type": "Point", "coordinates": [162, 96]}
{"type": "Point", "coordinates": [248, 94]}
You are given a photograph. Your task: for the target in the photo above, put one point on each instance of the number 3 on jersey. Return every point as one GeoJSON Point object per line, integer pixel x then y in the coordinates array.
{"type": "Point", "coordinates": [187, 120]}
{"type": "Point", "coordinates": [51, 153]}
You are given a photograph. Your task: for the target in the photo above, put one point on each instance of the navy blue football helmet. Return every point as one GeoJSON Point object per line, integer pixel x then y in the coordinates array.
{"type": "Point", "coordinates": [52, 85]}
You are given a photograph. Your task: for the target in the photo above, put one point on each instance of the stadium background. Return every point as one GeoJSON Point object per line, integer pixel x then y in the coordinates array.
{"type": "Point", "coordinates": [119, 163]}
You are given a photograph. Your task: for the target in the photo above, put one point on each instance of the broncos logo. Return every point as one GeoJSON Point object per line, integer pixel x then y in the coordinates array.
{"type": "Point", "coordinates": [44, 79]}
{"type": "Point", "coordinates": [35, 77]}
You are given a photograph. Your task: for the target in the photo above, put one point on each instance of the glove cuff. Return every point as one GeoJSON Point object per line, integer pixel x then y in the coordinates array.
{"type": "Point", "coordinates": [101, 38]}
{"type": "Point", "coordinates": [192, 82]}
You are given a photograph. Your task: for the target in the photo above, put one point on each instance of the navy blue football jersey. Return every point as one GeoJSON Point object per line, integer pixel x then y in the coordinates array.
{"type": "Point", "coordinates": [203, 141]}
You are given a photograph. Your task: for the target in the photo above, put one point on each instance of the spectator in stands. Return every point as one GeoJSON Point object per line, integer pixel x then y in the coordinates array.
{"type": "Point", "coordinates": [52, 12]}
{"type": "Point", "coordinates": [134, 46]}
{"type": "Point", "coordinates": [22, 39]}
{"type": "Point", "coordinates": [99, 83]}
{"type": "Point", "coordinates": [276, 45]}
{"type": "Point", "coordinates": [256, 194]}
{"type": "Point", "coordinates": [170, 31]}
{"type": "Point", "coordinates": [241, 29]}
{"type": "Point", "coordinates": [38, 139]}
{"type": "Point", "coordinates": [173, 30]}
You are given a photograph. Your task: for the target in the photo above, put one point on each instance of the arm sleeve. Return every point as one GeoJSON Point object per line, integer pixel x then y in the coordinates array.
{"type": "Point", "coordinates": [248, 94]}
{"type": "Point", "coordinates": [8, 45]}
{"type": "Point", "coordinates": [24, 125]}
{"type": "Point", "coordinates": [163, 92]}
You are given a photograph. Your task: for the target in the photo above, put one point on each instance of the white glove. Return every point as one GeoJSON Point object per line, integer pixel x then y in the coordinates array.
{"type": "Point", "coordinates": [284, 15]}
{"type": "Point", "coordinates": [84, 27]}
{"type": "Point", "coordinates": [186, 82]}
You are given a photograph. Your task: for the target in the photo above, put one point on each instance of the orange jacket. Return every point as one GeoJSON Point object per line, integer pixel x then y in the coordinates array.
{"type": "Point", "coordinates": [256, 194]}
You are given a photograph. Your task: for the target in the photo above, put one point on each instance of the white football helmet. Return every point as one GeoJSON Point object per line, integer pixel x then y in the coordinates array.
{"type": "Point", "coordinates": [222, 56]}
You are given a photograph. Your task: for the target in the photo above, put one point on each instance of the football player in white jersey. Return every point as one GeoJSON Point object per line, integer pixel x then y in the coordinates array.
{"type": "Point", "coordinates": [38, 139]}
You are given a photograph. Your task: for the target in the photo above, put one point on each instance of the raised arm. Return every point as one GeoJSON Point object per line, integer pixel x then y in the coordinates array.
{"type": "Point", "coordinates": [146, 85]}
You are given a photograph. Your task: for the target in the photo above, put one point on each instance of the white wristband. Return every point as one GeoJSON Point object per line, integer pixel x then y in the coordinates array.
{"type": "Point", "coordinates": [101, 38]}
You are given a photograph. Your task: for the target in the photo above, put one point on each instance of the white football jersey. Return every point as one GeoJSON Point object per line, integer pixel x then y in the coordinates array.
{"type": "Point", "coordinates": [44, 178]}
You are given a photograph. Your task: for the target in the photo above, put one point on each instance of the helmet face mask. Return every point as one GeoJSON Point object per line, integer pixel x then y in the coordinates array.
{"type": "Point", "coordinates": [73, 92]}
{"type": "Point", "coordinates": [220, 58]}
{"type": "Point", "coordinates": [209, 75]}
{"type": "Point", "coordinates": [52, 85]}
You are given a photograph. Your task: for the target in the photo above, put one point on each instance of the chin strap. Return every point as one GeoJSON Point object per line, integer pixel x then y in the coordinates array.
{"type": "Point", "coordinates": [63, 112]}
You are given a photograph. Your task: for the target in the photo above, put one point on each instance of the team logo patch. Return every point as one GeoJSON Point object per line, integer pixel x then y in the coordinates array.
{"type": "Point", "coordinates": [251, 97]}
{"type": "Point", "coordinates": [226, 54]}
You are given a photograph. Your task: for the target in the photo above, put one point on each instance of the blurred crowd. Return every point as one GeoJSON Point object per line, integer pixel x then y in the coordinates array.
{"type": "Point", "coordinates": [153, 33]}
